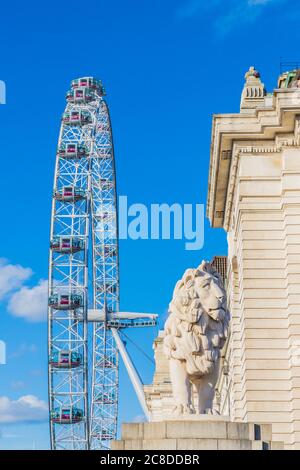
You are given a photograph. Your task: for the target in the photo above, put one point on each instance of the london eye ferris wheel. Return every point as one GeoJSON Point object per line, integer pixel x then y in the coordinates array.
{"type": "Point", "coordinates": [83, 304]}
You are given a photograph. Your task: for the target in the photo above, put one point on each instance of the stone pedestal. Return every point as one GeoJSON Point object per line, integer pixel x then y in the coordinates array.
{"type": "Point", "coordinates": [196, 433]}
{"type": "Point", "coordinates": [158, 395]}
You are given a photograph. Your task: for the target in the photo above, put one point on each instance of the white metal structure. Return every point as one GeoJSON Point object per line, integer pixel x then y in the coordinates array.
{"type": "Point", "coordinates": [84, 278]}
{"type": "Point", "coordinates": [134, 377]}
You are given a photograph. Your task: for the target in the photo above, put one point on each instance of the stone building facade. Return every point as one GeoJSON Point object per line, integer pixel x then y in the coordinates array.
{"type": "Point", "coordinates": [254, 194]}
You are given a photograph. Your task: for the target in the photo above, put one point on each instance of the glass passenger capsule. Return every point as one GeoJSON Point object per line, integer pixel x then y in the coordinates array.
{"type": "Point", "coordinates": [103, 127]}
{"type": "Point", "coordinates": [110, 288]}
{"type": "Point", "coordinates": [66, 415]}
{"type": "Point", "coordinates": [104, 435]}
{"type": "Point", "coordinates": [104, 153]}
{"type": "Point", "coordinates": [65, 301]}
{"type": "Point", "coordinates": [89, 82]}
{"type": "Point", "coordinates": [65, 359]}
{"type": "Point", "coordinates": [64, 244]}
{"type": "Point", "coordinates": [106, 184]}
{"type": "Point", "coordinates": [81, 95]}
{"type": "Point", "coordinates": [72, 150]}
{"type": "Point", "coordinates": [70, 194]}
{"type": "Point", "coordinates": [77, 117]}
{"type": "Point", "coordinates": [108, 363]}
{"type": "Point", "coordinates": [106, 397]}
{"type": "Point", "coordinates": [109, 251]}
{"type": "Point", "coordinates": [105, 216]}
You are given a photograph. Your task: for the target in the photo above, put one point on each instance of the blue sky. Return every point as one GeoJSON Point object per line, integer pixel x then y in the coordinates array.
{"type": "Point", "coordinates": [167, 67]}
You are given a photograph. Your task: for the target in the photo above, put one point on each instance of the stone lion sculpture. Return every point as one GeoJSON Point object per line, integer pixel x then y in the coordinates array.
{"type": "Point", "coordinates": [195, 332]}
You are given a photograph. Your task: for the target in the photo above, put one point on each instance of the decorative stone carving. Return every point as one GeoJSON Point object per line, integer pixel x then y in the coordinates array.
{"type": "Point", "coordinates": [252, 75]}
{"type": "Point", "coordinates": [195, 332]}
{"type": "Point", "coordinates": [290, 79]}
{"type": "Point", "coordinates": [254, 90]}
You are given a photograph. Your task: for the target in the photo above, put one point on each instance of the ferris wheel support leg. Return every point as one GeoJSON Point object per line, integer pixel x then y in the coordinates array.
{"type": "Point", "coordinates": [133, 375]}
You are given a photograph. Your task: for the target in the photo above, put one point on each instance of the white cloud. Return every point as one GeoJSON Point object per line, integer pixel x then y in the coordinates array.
{"type": "Point", "coordinates": [225, 16]}
{"type": "Point", "coordinates": [27, 408]}
{"type": "Point", "coordinates": [8, 435]}
{"type": "Point", "coordinates": [259, 2]}
{"type": "Point", "coordinates": [193, 7]}
{"type": "Point", "coordinates": [17, 384]}
{"type": "Point", "coordinates": [30, 303]}
{"type": "Point", "coordinates": [12, 277]}
{"type": "Point", "coordinates": [25, 302]}
{"type": "Point", "coordinates": [23, 349]}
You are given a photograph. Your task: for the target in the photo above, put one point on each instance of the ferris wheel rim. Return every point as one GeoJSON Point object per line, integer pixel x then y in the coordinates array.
{"type": "Point", "coordinates": [61, 420]}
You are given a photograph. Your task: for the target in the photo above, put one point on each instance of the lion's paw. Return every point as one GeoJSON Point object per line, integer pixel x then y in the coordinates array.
{"type": "Point", "coordinates": [179, 410]}
{"type": "Point", "coordinates": [211, 411]}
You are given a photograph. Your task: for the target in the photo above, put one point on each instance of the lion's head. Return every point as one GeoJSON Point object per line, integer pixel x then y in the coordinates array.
{"type": "Point", "coordinates": [197, 326]}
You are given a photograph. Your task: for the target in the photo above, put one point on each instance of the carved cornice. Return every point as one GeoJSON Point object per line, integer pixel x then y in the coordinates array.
{"type": "Point", "coordinates": [277, 128]}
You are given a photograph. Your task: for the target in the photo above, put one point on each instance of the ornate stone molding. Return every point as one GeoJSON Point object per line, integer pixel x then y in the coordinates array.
{"type": "Point", "coordinates": [230, 130]}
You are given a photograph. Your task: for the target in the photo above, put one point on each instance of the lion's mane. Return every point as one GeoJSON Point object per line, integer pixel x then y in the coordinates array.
{"type": "Point", "coordinates": [193, 333]}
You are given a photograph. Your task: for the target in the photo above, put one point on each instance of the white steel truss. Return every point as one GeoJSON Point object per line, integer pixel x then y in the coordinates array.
{"type": "Point", "coordinates": [68, 275]}
{"type": "Point", "coordinates": [104, 404]}
{"type": "Point", "coordinates": [84, 214]}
